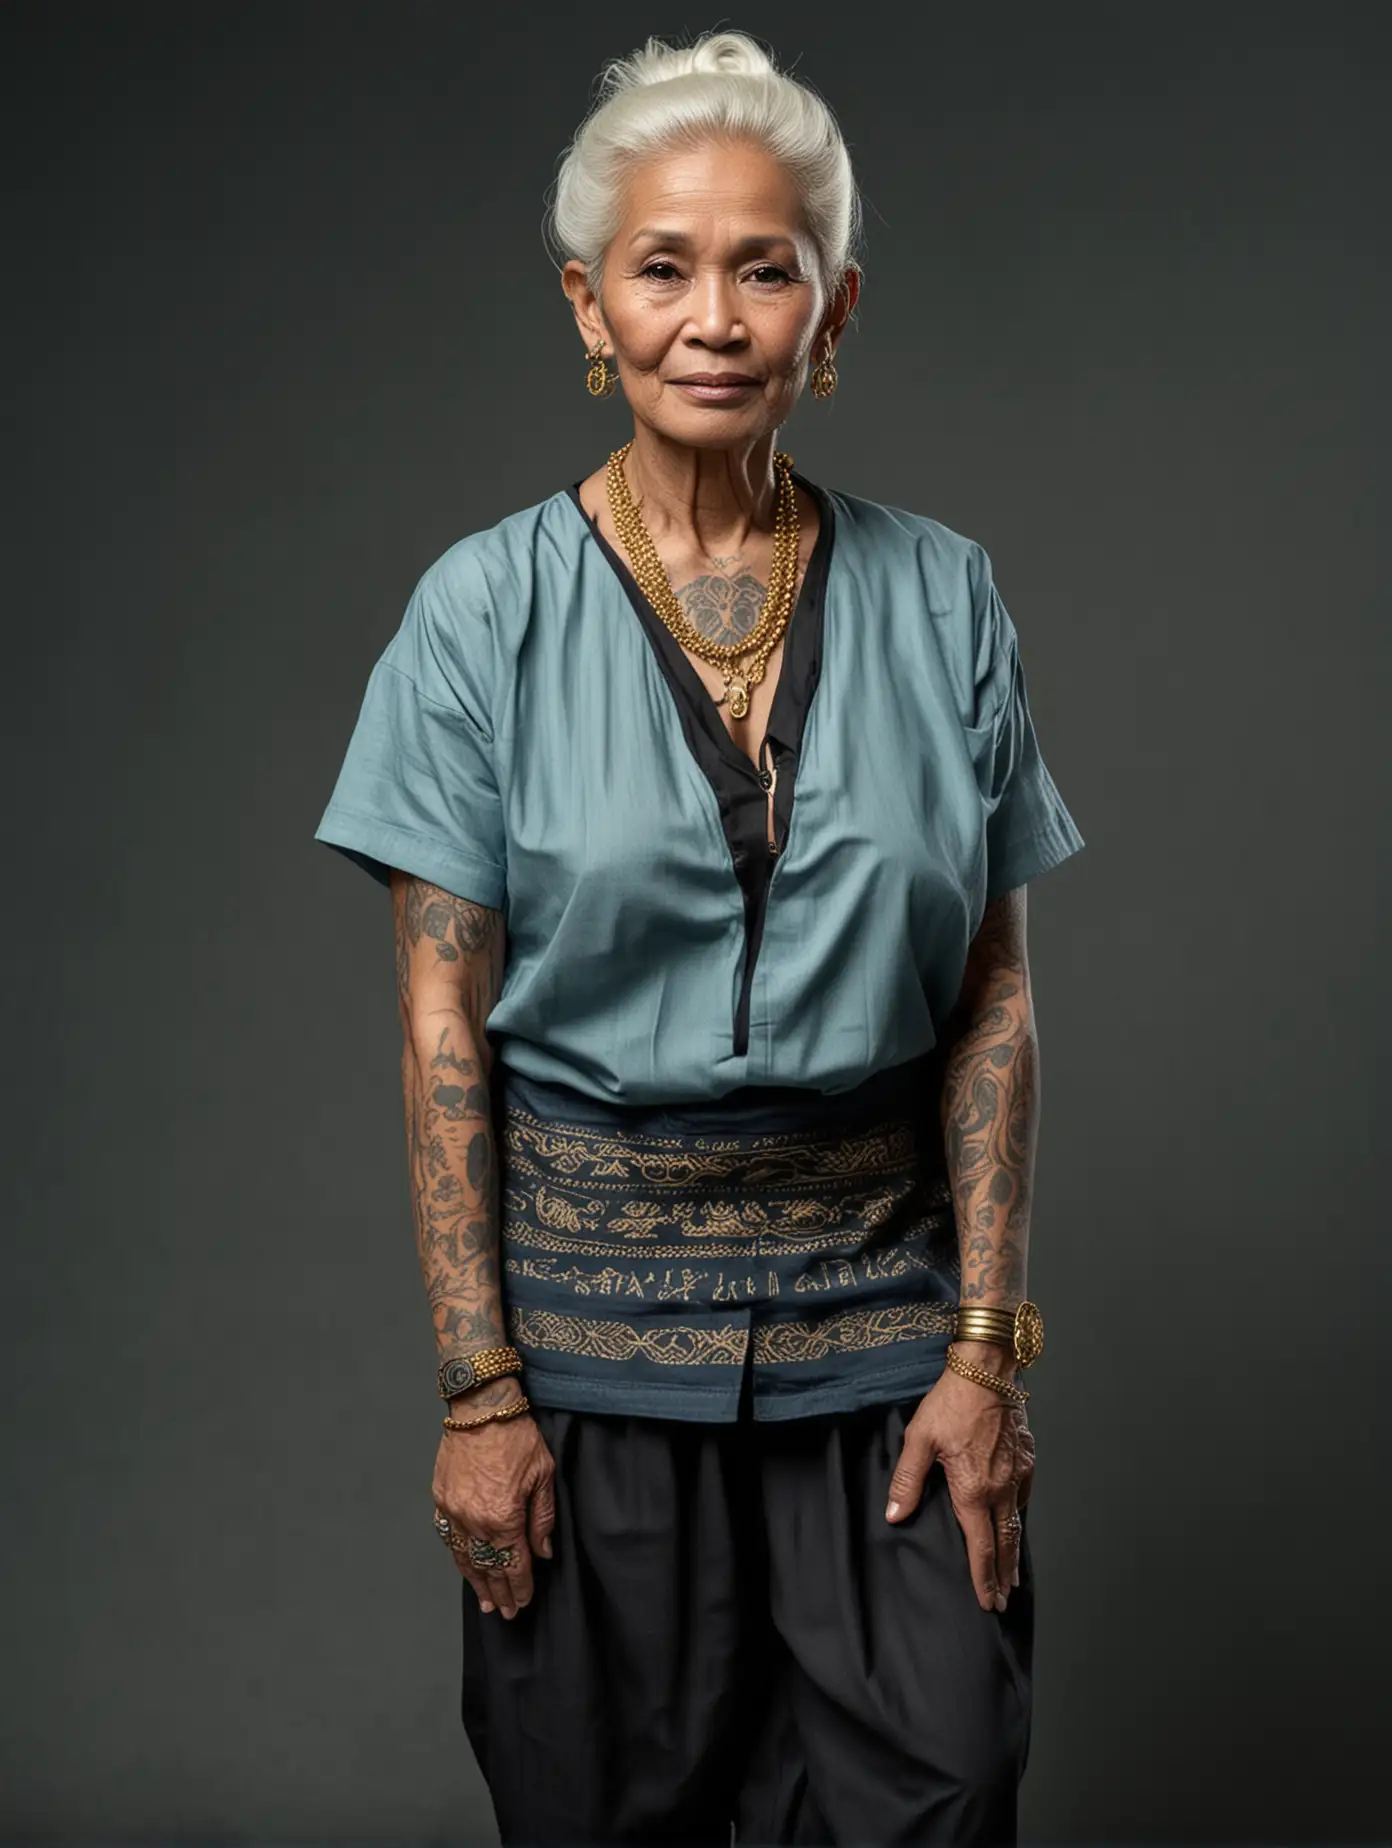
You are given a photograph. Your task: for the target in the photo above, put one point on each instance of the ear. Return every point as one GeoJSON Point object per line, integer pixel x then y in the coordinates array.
{"type": "Point", "coordinates": [839, 310]}
{"type": "Point", "coordinates": [585, 305]}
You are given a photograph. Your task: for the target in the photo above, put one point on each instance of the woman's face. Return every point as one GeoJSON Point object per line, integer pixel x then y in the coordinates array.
{"type": "Point", "coordinates": [711, 276]}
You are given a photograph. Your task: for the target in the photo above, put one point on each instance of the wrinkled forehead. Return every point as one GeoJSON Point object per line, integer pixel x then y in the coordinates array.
{"type": "Point", "coordinates": [712, 195]}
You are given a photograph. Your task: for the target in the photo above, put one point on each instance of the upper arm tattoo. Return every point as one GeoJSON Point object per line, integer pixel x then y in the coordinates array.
{"type": "Point", "coordinates": [997, 968]}
{"type": "Point", "coordinates": [463, 934]}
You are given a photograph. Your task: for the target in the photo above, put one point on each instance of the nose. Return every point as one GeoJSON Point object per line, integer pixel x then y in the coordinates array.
{"type": "Point", "coordinates": [714, 309]}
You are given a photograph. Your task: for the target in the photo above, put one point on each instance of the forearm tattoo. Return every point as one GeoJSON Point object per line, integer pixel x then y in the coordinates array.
{"type": "Point", "coordinates": [990, 1109]}
{"type": "Point", "coordinates": [449, 958]}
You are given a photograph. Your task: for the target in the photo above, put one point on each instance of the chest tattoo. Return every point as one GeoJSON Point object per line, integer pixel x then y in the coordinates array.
{"type": "Point", "coordinates": [724, 604]}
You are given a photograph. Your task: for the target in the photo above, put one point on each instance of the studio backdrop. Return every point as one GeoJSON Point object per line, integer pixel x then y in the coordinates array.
{"type": "Point", "coordinates": [283, 329]}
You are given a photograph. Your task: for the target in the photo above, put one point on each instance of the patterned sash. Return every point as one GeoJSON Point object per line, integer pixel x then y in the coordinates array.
{"type": "Point", "coordinates": [652, 1254]}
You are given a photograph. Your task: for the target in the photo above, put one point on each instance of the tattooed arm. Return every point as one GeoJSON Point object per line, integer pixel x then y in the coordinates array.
{"type": "Point", "coordinates": [449, 957]}
{"type": "Point", "coordinates": [989, 1118]}
{"type": "Point", "coordinates": [493, 1483]}
{"type": "Point", "coordinates": [990, 1115]}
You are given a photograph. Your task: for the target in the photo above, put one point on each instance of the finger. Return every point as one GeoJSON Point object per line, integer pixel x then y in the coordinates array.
{"type": "Point", "coordinates": [477, 1583]}
{"type": "Point", "coordinates": [1007, 1545]}
{"type": "Point", "coordinates": [506, 1590]}
{"type": "Point", "coordinates": [917, 1455]}
{"type": "Point", "coordinates": [459, 1552]}
{"type": "Point", "coordinates": [519, 1573]}
{"type": "Point", "coordinates": [511, 1585]}
{"type": "Point", "coordinates": [541, 1518]}
{"type": "Point", "coordinates": [1021, 1504]}
{"type": "Point", "coordinates": [980, 1531]}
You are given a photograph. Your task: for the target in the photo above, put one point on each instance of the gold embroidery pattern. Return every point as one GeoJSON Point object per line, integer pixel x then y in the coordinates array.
{"type": "Point", "coordinates": [706, 1282]}
{"type": "Point", "coordinates": [549, 1221]}
{"type": "Point", "coordinates": [852, 1331]}
{"type": "Point", "coordinates": [669, 1344]}
{"type": "Point", "coordinates": [555, 1213]}
{"type": "Point", "coordinates": [680, 1283]}
{"type": "Point", "coordinates": [702, 1222]}
{"type": "Point", "coordinates": [591, 1193]}
{"type": "Point", "coordinates": [792, 1157]}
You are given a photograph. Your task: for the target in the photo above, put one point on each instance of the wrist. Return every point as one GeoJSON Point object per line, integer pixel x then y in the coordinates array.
{"type": "Point", "coordinates": [990, 1356]}
{"type": "Point", "coordinates": [483, 1397]}
{"type": "Point", "coordinates": [461, 1374]}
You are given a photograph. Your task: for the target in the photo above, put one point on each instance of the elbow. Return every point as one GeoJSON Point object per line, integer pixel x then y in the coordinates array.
{"type": "Point", "coordinates": [445, 1037]}
{"type": "Point", "coordinates": [991, 1019]}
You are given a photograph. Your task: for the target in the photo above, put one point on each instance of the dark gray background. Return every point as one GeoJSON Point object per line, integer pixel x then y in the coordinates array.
{"type": "Point", "coordinates": [282, 329]}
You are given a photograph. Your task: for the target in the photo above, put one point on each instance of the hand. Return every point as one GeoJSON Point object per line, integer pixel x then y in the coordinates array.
{"type": "Point", "coordinates": [986, 1448]}
{"type": "Point", "coordinates": [497, 1484]}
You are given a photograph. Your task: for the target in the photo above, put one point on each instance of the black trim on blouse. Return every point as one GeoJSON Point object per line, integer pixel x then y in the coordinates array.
{"type": "Point", "coordinates": [741, 789]}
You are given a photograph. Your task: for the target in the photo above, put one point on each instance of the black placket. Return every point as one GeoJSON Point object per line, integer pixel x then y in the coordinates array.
{"type": "Point", "coordinates": [741, 789]}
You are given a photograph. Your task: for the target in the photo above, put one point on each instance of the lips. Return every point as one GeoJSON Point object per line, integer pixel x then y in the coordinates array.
{"type": "Point", "coordinates": [715, 388]}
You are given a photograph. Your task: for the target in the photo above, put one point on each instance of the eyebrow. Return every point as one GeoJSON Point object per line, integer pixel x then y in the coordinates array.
{"type": "Point", "coordinates": [758, 240]}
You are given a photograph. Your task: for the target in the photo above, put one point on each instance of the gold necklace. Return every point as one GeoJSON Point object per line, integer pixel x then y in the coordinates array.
{"type": "Point", "coordinates": [656, 586]}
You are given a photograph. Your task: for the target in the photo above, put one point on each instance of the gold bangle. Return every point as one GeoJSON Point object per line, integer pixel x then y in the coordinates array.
{"type": "Point", "coordinates": [1021, 1329]}
{"type": "Point", "coordinates": [510, 1410]}
{"type": "Point", "coordinates": [1007, 1390]}
{"type": "Point", "coordinates": [995, 1324]}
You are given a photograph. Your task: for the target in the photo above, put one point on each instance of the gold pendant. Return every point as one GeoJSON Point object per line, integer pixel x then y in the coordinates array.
{"type": "Point", "coordinates": [739, 698]}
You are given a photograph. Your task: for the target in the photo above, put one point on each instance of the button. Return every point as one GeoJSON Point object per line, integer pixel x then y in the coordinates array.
{"type": "Point", "coordinates": [766, 778]}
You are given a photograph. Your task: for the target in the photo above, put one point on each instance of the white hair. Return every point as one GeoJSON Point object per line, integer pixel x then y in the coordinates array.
{"type": "Point", "coordinates": [666, 97]}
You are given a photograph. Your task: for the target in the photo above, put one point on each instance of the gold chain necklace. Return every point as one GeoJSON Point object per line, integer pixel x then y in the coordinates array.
{"type": "Point", "coordinates": [656, 586]}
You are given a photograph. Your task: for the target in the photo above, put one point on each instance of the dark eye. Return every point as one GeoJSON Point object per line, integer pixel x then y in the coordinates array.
{"type": "Point", "coordinates": [769, 272]}
{"type": "Point", "coordinates": [660, 263]}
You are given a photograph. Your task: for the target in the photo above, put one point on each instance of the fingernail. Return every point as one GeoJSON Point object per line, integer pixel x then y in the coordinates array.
{"type": "Point", "coordinates": [546, 1548]}
{"type": "Point", "coordinates": [1015, 1576]}
{"type": "Point", "coordinates": [892, 1512]}
{"type": "Point", "coordinates": [1000, 1600]}
{"type": "Point", "coordinates": [484, 1605]}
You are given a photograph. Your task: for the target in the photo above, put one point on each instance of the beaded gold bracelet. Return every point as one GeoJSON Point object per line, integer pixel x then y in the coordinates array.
{"type": "Point", "coordinates": [510, 1410]}
{"type": "Point", "coordinates": [983, 1377]}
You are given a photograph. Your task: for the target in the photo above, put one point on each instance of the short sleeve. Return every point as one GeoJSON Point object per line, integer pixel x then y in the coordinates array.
{"type": "Point", "coordinates": [1028, 828]}
{"type": "Point", "coordinates": [417, 788]}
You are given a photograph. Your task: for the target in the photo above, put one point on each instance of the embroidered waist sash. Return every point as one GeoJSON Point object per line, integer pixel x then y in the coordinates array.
{"type": "Point", "coordinates": [654, 1256]}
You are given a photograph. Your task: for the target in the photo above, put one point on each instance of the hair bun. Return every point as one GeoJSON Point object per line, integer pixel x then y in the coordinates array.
{"type": "Point", "coordinates": [661, 98]}
{"type": "Point", "coordinates": [734, 52]}
{"type": "Point", "coordinates": [729, 54]}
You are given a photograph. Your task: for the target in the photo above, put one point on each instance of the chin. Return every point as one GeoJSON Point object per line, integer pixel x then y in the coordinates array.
{"type": "Point", "coordinates": [714, 428]}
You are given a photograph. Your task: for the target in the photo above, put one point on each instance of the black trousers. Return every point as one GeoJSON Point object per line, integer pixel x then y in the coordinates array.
{"type": "Point", "coordinates": [730, 1634]}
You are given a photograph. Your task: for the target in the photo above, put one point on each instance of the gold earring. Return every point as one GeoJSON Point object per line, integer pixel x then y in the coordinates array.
{"type": "Point", "coordinates": [823, 379]}
{"type": "Point", "coordinates": [599, 381]}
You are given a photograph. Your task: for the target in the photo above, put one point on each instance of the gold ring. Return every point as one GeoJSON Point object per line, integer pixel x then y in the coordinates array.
{"type": "Point", "coordinates": [490, 1557]}
{"type": "Point", "coordinates": [455, 1542]}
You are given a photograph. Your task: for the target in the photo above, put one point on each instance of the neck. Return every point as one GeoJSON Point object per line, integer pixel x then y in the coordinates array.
{"type": "Point", "coordinates": [711, 499]}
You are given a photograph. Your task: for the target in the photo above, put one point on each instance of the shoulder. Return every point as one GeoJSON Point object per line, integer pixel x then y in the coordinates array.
{"type": "Point", "coordinates": [481, 563]}
{"type": "Point", "coordinates": [465, 606]}
{"type": "Point", "coordinates": [925, 567]}
{"type": "Point", "coordinates": [953, 570]}
{"type": "Point", "coordinates": [912, 541]}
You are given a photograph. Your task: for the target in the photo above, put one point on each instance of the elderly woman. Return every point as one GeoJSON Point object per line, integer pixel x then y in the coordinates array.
{"type": "Point", "coordinates": [706, 796]}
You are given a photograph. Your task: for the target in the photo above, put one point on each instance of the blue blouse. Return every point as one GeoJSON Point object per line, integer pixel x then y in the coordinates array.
{"type": "Point", "coordinates": [533, 738]}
